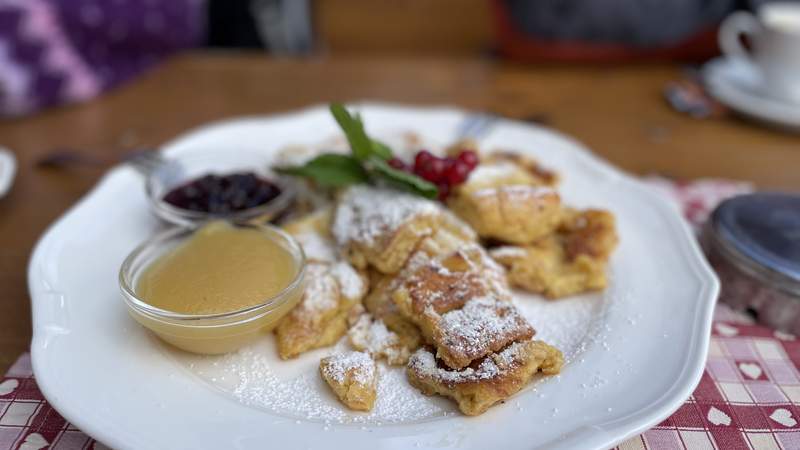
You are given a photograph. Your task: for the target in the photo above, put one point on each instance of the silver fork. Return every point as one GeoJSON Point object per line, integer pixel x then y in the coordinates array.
{"type": "Point", "coordinates": [145, 161]}
{"type": "Point", "coordinates": [475, 126]}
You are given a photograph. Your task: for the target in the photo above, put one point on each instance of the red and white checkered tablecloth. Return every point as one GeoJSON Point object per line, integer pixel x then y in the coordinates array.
{"type": "Point", "coordinates": [748, 397]}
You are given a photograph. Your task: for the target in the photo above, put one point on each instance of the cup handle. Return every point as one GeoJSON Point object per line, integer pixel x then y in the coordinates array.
{"type": "Point", "coordinates": [730, 33]}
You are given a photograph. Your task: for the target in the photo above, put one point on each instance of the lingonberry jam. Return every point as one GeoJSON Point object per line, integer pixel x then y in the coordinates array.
{"type": "Point", "coordinates": [221, 194]}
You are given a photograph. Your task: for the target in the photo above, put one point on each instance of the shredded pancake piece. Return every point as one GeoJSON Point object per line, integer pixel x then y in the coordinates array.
{"type": "Point", "coordinates": [372, 336]}
{"type": "Point", "coordinates": [508, 199]}
{"type": "Point", "coordinates": [333, 287]}
{"type": "Point", "coordinates": [312, 232]}
{"type": "Point", "coordinates": [380, 305]}
{"type": "Point", "coordinates": [487, 381]}
{"type": "Point", "coordinates": [570, 261]}
{"type": "Point", "coordinates": [320, 318]}
{"type": "Point", "coordinates": [482, 326]}
{"type": "Point", "coordinates": [381, 227]}
{"type": "Point", "coordinates": [353, 377]}
{"type": "Point", "coordinates": [461, 305]}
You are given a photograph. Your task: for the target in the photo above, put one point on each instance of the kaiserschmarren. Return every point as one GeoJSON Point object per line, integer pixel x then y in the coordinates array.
{"type": "Point", "coordinates": [353, 377]}
{"type": "Point", "coordinates": [333, 287]}
{"type": "Point", "coordinates": [487, 381]}
{"type": "Point", "coordinates": [508, 199]}
{"type": "Point", "coordinates": [570, 261]}
{"type": "Point", "coordinates": [320, 318]}
{"type": "Point", "coordinates": [381, 228]}
{"type": "Point", "coordinates": [427, 285]}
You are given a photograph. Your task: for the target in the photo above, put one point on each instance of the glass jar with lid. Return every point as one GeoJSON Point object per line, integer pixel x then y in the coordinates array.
{"type": "Point", "coordinates": [753, 242]}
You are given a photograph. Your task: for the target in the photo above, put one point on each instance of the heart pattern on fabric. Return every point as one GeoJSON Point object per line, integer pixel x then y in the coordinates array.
{"type": "Point", "coordinates": [783, 417]}
{"type": "Point", "coordinates": [34, 441]}
{"type": "Point", "coordinates": [8, 386]}
{"type": "Point", "coordinates": [726, 330]}
{"type": "Point", "coordinates": [784, 336]}
{"type": "Point", "coordinates": [718, 417]}
{"type": "Point", "coordinates": [751, 370]}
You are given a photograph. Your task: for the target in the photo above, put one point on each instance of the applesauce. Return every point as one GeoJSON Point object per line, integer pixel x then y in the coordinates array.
{"type": "Point", "coordinates": [214, 289]}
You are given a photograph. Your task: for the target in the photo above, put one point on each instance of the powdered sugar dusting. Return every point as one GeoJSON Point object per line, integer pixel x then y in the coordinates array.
{"type": "Point", "coordinates": [366, 213]}
{"type": "Point", "coordinates": [370, 335]}
{"type": "Point", "coordinates": [359, 366]}
{"type": "Point", "coordinates": [374, 337]}
{"type": "Point", "coordinates": [517, 191]}
{"type": "Point", "coordinates": [316, 247]}
{"type": "Point", "coordinates": [256, 377]}
{"type": "Point", "coordinates": [568, 324]}
{"type": "Point", "coordinates": [351, 284]}
{"type": "Point", "coordinates": [424, 363]}
{"type": "Point", "coordinates": [495, 274]}
{"type": "Point", "coordinates": [508, 251]}
{"type": "Point", "coordinates": [489, 173]}
{"type": "Point", "coordinates": [321, 292]}
{"type": "Point", "coordinates": [481, 323]}
{"type": "Point", "coordinates": [483, 271]}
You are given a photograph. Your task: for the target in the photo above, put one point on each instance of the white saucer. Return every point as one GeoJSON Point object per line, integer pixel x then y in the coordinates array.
{"type": "Point", "coordinates": [8, 168]}
{"type": "Point", "coordinates": [737, 84]}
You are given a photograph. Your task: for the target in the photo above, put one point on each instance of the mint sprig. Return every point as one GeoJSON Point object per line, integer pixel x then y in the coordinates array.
{"type": "Point", "coordinates": [330, 170]}
{"type": "Point", "coordinates": [381, 150]}
{"type": "Point", "coordinates": [402, 180]}
{"type": "Point", "coordinates": [368, 161]}
{"type": "Point", "coordinates": [353, 127]}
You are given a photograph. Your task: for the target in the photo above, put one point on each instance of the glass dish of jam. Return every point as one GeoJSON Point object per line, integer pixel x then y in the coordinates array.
{"type": "Point", "coordinates": [237, 186]}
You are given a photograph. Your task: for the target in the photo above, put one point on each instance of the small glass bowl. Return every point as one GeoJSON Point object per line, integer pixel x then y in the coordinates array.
{"type": "Point", "coordinates": [207, 333]}
{"type": "Point", "coordinates": [171, 172]}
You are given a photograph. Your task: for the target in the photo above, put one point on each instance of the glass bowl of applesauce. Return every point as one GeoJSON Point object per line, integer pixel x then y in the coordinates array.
{"type": "Point", "coordinates": [214, 289]}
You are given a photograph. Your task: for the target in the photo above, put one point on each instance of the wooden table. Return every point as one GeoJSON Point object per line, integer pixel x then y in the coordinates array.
{"type": "Point", "coordinates": [618, 112]}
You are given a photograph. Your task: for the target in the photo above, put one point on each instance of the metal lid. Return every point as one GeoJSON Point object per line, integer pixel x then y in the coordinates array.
{"type": "Point", "coordinates": [760, 233]}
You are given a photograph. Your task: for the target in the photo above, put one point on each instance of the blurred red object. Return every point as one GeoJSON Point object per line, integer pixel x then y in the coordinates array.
{"type": "Point", "coordinates": [515, 44]}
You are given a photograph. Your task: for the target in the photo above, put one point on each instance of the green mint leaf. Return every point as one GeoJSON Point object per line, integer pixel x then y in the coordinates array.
{"type": "Point", "coordinates": [403, 180]}
{"type": "Point", "coordinates": [360, 144]}
{"type": "Point", "coordinates": [369, 160]}
{"type": "Point", "coordinates": [381, 150]}
{"type": "Point", "coordinates": [330, 170]}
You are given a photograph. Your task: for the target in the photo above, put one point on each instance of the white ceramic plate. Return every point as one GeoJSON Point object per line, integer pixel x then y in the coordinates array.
{"type": "Point", "coordinates": [737, 84]}
{"type": "Point", "coordinates": [635, 351]}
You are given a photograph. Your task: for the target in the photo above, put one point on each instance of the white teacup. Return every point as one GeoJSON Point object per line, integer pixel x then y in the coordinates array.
{"type": "Point", "coordinates": [774, 35]}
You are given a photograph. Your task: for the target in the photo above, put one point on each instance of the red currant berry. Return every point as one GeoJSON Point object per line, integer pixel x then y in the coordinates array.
{"type": "Point", "coordinates": [444, 191]}
{"type": "Point", "coordinates": [426, 172]}
{"type": "Point", "coordinates": [469, 158]}
{"type": "Point", "coordinates": [458, 173]}
{"type": "Point", "coordinates": [422, 158]}
{"type": "Point", "coordinates": [398, 164]}
{"type": "Point", "coordinates": [431, 170]}
{"type": "Point", "coordinates": [438, 167]}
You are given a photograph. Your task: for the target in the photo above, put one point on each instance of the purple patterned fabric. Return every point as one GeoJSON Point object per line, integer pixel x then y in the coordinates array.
{"type": "Point", "coordinates": [63, 51]}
